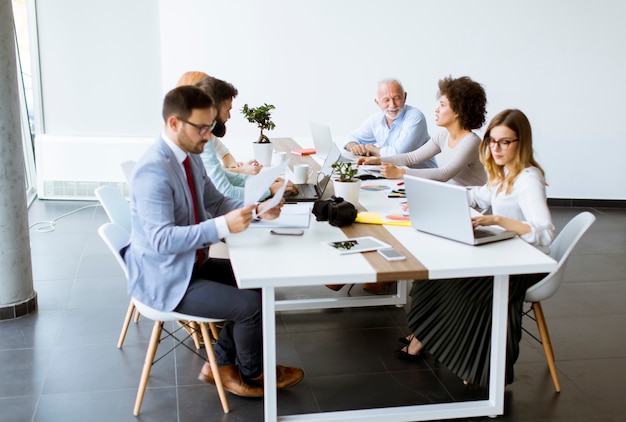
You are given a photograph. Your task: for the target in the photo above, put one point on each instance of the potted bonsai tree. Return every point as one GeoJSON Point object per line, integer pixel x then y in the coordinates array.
{"type": "Point", "coordinates": [262, 117]}
{"type": "Point", "coordinates": [345, 184]}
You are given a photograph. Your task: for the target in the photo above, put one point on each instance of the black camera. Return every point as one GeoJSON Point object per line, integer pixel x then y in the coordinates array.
{"type": "Point", "coordinates": [335, 210]}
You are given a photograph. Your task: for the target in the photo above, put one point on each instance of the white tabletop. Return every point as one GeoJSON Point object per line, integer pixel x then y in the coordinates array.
{"type": "Point", "coordinates": [261, 260]}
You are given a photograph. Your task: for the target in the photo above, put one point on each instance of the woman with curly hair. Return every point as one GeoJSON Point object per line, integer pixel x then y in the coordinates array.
{"type": "Point", "coordinates": [452, 318]}
{"type": "Point", "coordinates": [461, 110]}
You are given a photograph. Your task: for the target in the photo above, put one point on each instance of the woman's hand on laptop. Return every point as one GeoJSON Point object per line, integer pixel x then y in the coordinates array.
{"type": "Point", "coordinates": [484, 220]}
{"type": "Point", "coordinates": [518, 227]}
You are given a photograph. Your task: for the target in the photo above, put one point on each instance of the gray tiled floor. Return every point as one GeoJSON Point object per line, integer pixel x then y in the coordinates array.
{"type": "Point", "coordinates": [61, 363]}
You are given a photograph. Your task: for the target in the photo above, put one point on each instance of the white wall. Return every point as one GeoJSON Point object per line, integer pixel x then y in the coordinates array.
{"type": "Point", "coordinates": [560, 61]}
{"type": "Point", "coordinates": [100, 67]}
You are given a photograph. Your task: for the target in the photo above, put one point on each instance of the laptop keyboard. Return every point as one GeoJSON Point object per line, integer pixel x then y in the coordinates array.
{"type": "Point", "coordinates": [304, 191]}
{"type": "Point", "coordinates": [480, 233]}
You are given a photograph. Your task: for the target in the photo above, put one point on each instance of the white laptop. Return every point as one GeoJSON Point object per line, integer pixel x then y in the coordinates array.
{"type": "Point", "coordinates": [322, 139]}
{"type": "Point", "coordinates": [443, 209]}
{"type": "Point", "coordinates": [323, 142]}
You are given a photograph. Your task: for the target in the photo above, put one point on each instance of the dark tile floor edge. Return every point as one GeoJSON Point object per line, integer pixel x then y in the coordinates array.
{"type": "Point", "coordinates": [587, 203]}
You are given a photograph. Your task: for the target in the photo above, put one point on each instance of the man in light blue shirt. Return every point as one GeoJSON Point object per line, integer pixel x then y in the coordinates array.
{"type": "Point", "coordinates": [396, 129]}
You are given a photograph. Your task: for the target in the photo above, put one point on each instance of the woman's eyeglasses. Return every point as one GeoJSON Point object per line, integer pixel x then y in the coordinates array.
{"type": "Point", "coordinates": [503, 143]}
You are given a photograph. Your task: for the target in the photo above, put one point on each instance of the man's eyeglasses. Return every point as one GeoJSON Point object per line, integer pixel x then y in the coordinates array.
{"type": "Point", "coordinates": [502, 143]}
{"type": "Point", "coordinates": [203, 130]}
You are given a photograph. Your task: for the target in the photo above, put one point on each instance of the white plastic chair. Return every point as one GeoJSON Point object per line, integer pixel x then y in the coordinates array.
{"type": "Point", "coordinates": [116, 238]}
{"type": "Point", "coordinates": [127, 168]}
{"type": "Point", "coordinates": [117, 209]}
{"type": "Point", "coordinates": [560, 251]}
{"type": "Point", "coordinates": [115, 205]}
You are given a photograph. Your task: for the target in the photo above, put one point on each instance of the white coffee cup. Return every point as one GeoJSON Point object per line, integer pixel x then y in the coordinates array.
{"type": "Point", "coordinates": [278, 158]}
{"type": "Point", "coordinates": [301, 173]}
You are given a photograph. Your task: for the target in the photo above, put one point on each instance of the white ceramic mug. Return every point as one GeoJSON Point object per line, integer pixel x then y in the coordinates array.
{"type": "Point", "coordinates": [301, 173]}
{"type": "Point", "coordinates": [278, 158]}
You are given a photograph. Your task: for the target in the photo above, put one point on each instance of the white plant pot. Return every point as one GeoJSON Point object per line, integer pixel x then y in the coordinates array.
{"type": "Point", "coordinates": [263, 153]}
{"type": "Point", "coordinates": [349, 191]}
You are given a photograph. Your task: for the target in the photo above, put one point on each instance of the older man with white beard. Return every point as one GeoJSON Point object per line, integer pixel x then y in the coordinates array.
{"type": "Point", "coordinates": [396, 129]}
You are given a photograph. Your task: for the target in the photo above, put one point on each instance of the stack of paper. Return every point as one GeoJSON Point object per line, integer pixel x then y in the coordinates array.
{"type": "Point", "coordinates": [291, 216]}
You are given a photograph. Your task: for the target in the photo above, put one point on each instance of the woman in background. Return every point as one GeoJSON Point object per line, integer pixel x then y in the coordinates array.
{"type": "Point", "coordinates": [452, 318]}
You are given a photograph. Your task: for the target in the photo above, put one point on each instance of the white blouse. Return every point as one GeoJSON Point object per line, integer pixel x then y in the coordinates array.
{"type": "Point", "coordinates": [527, 203]}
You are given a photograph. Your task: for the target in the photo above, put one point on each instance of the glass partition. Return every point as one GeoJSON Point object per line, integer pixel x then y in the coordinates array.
{"type": "Point", "coordinates": [25, 90]}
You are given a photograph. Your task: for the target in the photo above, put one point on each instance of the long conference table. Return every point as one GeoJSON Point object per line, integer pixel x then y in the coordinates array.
{"type": "Point", "coordinates": [263, 261]}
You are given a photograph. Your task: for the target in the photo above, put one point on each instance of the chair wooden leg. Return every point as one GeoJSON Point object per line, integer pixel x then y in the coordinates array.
{"type": "Point", "coordinates": [147, 364]}
{"type": "Point", "coordinates": [547, 344]}
{"type": "Point", "coordinates": [213, 362]}
{"type": "Point", "coordinates": [129, 315]}
{"type": "Point", "coordinates": [137, 315]}
{"type": "Point", "coordinates": [214, 331]}
{"type": "Point", "coordinates": [194, 333]}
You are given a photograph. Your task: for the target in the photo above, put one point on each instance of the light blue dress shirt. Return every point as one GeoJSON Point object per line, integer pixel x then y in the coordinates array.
{"type": "Point", "coordinates": [407, 133]}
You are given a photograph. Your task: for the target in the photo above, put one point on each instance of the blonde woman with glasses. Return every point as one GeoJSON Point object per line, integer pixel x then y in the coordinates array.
{"type": "Point", "coordinates": [451, 319]}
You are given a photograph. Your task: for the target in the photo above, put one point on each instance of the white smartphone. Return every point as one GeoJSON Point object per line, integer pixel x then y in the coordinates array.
{"type": "Point", "coordinates": [390, 254]}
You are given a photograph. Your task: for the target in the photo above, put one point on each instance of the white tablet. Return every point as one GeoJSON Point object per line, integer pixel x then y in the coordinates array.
{"type": "Point", "coordinates": [357, 244]}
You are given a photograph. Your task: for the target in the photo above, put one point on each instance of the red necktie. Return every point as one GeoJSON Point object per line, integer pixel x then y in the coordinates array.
{"type": "Point", "coordinates": [192, 190]}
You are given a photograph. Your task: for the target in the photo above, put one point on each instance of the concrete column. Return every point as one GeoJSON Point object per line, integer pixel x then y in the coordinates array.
{"type": "Point", "coordinates": [17, 296]}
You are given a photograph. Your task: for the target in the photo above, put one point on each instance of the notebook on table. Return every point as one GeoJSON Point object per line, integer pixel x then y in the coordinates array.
{"type": "Point", "coordinates": [309, 192]}
{"type": "Point", "coordinates": [443, 209]}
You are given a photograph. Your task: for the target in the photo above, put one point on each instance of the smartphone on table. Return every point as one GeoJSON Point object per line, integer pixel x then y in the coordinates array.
{"type": "Point", "coordinates": [390, 254]}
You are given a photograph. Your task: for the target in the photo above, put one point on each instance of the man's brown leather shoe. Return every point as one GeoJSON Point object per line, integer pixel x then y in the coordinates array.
{"type": "Point", "coordinates": [231, 379]}
{"type": "Point", "coordinates": [286, 376]}
{"type": "Point", "coordinates": [379, 288]}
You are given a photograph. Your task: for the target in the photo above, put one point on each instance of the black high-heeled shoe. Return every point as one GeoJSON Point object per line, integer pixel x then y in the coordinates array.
{"type": "Point", "coordinates": [405, 355]}
{"type": "Point", "coordinates": [406, 341]}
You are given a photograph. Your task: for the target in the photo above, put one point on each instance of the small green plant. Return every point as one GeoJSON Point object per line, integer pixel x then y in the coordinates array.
{"type": "Point", "coordinates": [345, 171]}
{"type": "Point", "coordinates": [262, 117]}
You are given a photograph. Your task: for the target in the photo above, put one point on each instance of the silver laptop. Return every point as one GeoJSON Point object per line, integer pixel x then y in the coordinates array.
{"type": "Point", "coordinates": [323, 142]}
{"type": "Point", "coordinates": [322, 139]}
{"type": "Point", "coordinates": [443, 209]}
{"type": "Point", "coordinates": [309, 192]}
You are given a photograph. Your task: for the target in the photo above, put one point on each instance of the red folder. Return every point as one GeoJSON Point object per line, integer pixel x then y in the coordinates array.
{"type": "Point", "coordinates": [303, 151]}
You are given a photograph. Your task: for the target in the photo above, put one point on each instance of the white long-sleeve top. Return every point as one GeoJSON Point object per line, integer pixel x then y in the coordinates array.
{"type": "Point", "coordinates": [527, 203]}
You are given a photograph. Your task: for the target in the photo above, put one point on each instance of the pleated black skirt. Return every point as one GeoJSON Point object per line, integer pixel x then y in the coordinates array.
{"type": "Point", "coordinates": [452, 319]}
